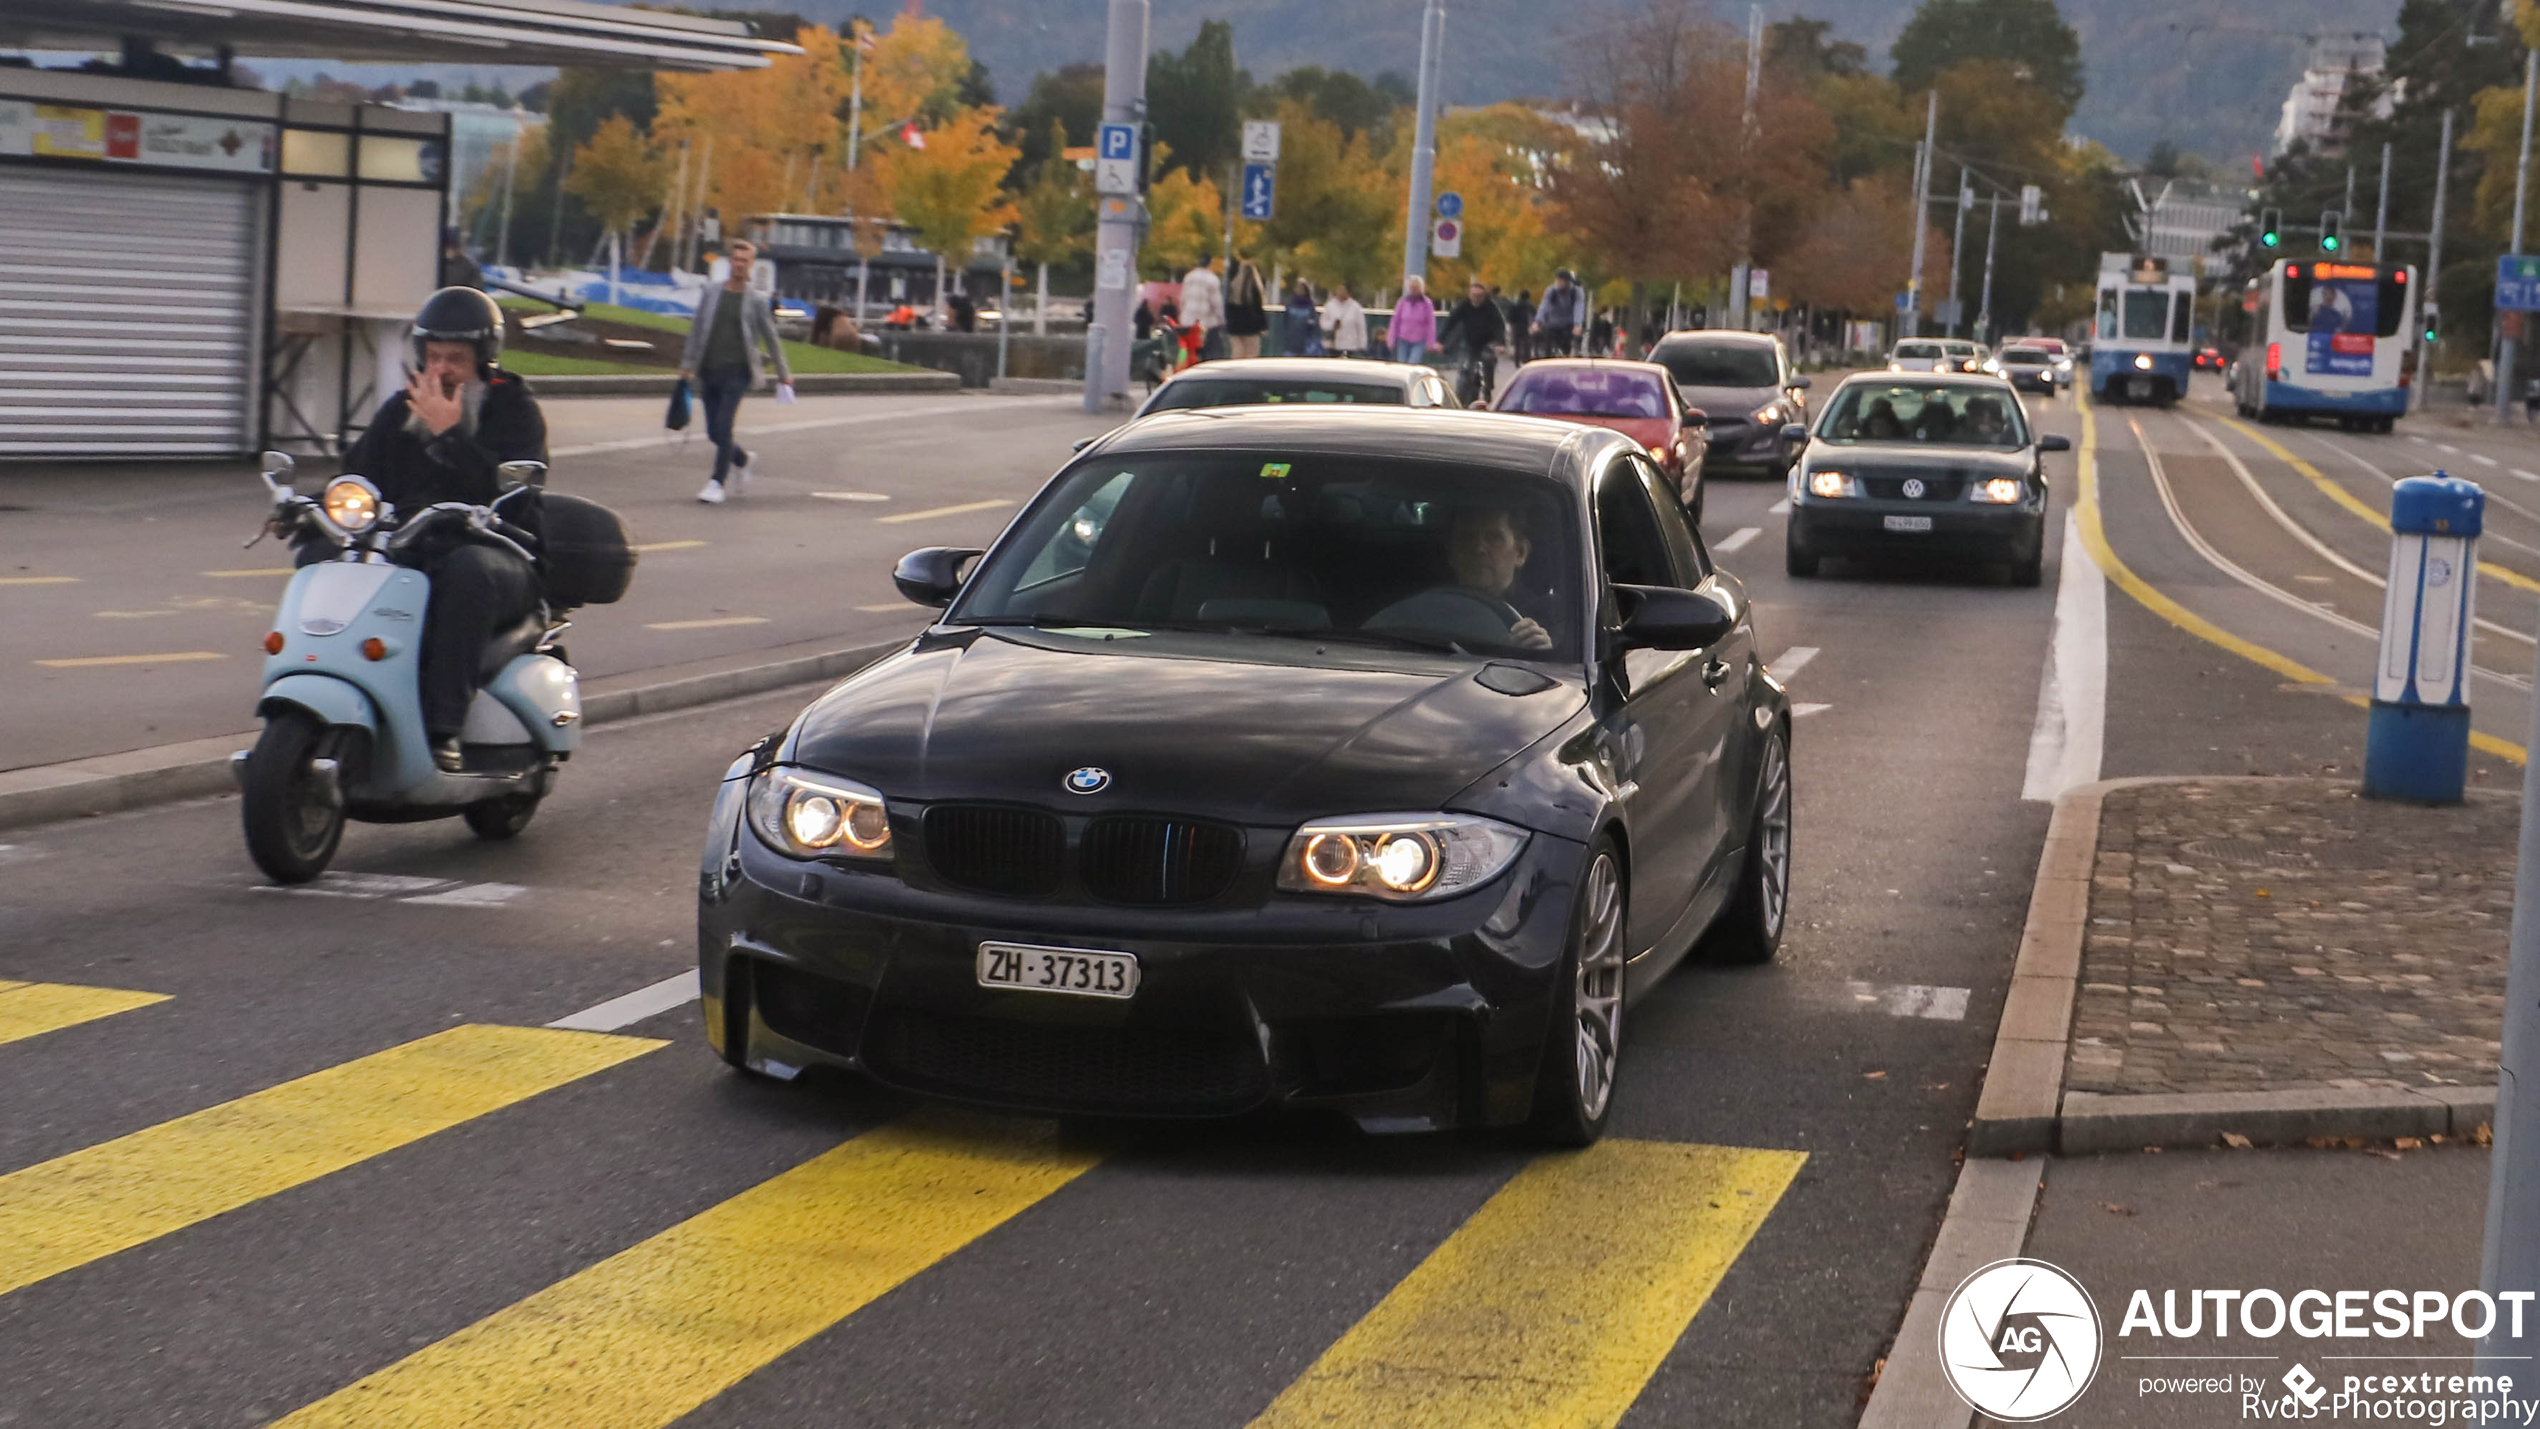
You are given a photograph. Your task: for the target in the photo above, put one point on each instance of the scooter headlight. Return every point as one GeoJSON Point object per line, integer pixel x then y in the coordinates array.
{"type": "Point", "coordinates": [815, 816]}
{"type": "Point", "coordinates": [351, 504]}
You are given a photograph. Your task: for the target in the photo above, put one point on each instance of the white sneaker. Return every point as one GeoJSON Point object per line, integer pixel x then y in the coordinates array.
{"type": "Point", "coordinates": [742, 471]}
{"type": "Point", "coordinates": [712, 495]}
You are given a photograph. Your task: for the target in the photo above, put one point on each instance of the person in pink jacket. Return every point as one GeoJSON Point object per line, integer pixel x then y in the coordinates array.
{"type": "Point", "coordinates": [1414, 329]}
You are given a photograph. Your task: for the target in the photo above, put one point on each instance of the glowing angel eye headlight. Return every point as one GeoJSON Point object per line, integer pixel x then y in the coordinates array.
{"type": "Point", "coordinates": [814, 816]}
{"type": "Point", "coordinates": [351, 503]}
{"type": "Point", "coordinates": [1400, 857]}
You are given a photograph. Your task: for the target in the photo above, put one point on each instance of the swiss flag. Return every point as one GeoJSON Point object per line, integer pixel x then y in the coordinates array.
{"type": "Point", "coordinates": [912, 136]}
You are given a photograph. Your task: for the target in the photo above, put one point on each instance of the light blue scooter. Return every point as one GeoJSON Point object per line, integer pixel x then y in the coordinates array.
{"type": "Point", "coordinates": [344, 735]}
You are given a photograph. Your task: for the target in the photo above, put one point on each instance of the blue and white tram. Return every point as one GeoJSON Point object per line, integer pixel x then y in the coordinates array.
{"type": "Point", "coordinates": [2143, 342]}
{"type": "Point", "coordinates": [2329, 339]}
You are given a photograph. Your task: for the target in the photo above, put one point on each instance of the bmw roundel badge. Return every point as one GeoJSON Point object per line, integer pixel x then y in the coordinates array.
{"type": "Point", "coordinates": [1087, 780]}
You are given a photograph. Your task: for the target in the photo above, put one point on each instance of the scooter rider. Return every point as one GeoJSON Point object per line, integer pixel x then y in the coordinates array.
{"type": "Point", "coordinates": [460, 417]}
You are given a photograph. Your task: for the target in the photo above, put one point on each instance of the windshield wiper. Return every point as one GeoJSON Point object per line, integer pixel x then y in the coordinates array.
{"type": "Point", "coordinates": [1391, 638]}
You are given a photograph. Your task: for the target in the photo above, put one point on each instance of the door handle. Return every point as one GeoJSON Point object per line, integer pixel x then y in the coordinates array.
{"type": "Point", "coordinates": [1714, 671]}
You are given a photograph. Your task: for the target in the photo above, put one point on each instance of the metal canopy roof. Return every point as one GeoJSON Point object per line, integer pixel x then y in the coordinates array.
{"type": "Point", "coordinates": [517, 32]}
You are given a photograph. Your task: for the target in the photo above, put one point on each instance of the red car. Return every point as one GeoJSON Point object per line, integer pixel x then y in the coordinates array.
{"type": "Point", "coordinates": [1638, 399]}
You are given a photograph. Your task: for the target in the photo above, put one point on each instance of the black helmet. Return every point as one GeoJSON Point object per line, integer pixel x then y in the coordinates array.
{"type": "Point", "coordinates": [1566, 276]}
{"type": "Point", "coordinates": [458, 315]}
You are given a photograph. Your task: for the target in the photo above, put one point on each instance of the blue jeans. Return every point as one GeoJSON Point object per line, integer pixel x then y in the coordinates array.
{"type": "Point", "coordinates": [1407, 351]}
{"type": "Point", "coordinates": [721, 391]}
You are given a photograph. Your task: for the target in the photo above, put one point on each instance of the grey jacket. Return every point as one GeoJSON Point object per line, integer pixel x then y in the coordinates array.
{"type": "Point", "coordinates": [758, 325]}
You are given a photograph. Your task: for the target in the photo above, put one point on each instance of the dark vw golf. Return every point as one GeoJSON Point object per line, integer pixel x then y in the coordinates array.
{"type": "Point", "coordinates": [1370, 762]}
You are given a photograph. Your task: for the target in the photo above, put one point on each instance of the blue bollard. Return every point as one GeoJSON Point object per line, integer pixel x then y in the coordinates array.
{"type": "Point", "coordinates": [2416, 741]}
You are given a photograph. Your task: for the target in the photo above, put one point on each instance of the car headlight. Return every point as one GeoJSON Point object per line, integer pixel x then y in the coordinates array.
{"type": "Point", "coordinates": [1770, 415]}
{"type": "Point", "coordinates": [351, 503]}
{"type": "Point", "coordinates": [1400, 857]}
{"type": "Point", "coordinates": [1999, 491]}
{"type": "Point", "coordinates": [816, 816]}
{"type": "Point", "coordinates": [1658, 453]}
{"type": "Point", "coordinates": [1832, 484]}
{"type": "Point", "coordinates": [2143, 361]}
{"type": "Point", "coordinates": [1992, 366]}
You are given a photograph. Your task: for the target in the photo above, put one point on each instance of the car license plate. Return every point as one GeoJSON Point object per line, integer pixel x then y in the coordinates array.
{"type": "Point", "coordinates": [2138, 386]}
{"type": "Point", "coordinates": [1079, 971]}
{"type": "Point", "coordinates": [1909, 523]}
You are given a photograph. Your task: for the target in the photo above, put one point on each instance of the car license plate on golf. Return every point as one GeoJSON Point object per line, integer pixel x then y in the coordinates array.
{"type": "Point", "coordinates": [1909, 523]}
{"type": "Point", "coordinates": [1079, 971]}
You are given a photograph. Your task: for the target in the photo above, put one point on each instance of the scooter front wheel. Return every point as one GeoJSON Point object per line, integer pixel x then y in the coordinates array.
{"type": "Point", "coordinates": [293, 812]}
{"type": "Point", "coordinates": [498, 819]}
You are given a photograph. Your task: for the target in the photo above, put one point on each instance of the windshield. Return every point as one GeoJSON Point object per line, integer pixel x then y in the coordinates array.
{"type": "Point", "coordinates": [1189, 392]}
{"type": "Point", "coordinates": [1956, 415]}
{"type": "Point", "coordinates": [1721, 364]}
{"type": "Point", "coordinates": [1918, 349]}
{"type": "Point", "coordinates": [1373, 550]}
{"type": "Point", "coordinates": [1585, 392]}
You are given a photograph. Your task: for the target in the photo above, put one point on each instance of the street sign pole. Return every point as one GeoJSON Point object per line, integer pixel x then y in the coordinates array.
{"type": "Point", "coordinates": [1424, 144]}
{"type": "Point", "coordinates": [2522, 183]}
{"type": "Point", "coordinates": [1984, 301]}
{"type": "Point", "coordinates": [1124, 107]}
{"type": "Point", "coordinates": [2511, 1262]}
{"type": "Point", "coordinates": [1922, 202]}
{"type": "Point", "coordinates": [2432, 291]}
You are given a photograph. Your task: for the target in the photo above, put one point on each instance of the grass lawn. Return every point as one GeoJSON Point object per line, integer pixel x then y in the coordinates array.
{"type": "Point", "coordinates": [801, 356]}
{"type": "Point", "coordinates": [538, 362]}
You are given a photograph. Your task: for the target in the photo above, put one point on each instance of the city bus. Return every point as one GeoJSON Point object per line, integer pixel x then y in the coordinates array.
{"type": "Point", "coordinates": [2328, 339]}
{"type": "Point", "coordinates": [2143, 341]}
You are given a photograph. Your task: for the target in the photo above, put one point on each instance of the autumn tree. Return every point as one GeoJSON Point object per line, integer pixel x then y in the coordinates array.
{"type": "Point", "coordinates": [618, 175]}
{"type": "Point", "coordinates": [1054, 221]}
{"type": "Point", "coordinates": [1338, 204]}
{"type": "Point", "coordinates": [951, 191]}
{"type": "Point", "coordinates": [1184, 219]}
{"type": "Point", "coordinates": [1496, 158]}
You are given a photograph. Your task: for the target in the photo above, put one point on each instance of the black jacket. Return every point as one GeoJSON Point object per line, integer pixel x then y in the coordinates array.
{"type": "Point", "coordinates": [412, 473]}
{"type": "Point", "coordinates": [1473, 326]}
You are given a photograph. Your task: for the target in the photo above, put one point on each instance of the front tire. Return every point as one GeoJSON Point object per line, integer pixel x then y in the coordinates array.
{"type": "Point", "coordinates": [293, 816]}
{"type": "Point", "coordinates": [1574, 1087]}
{"type": "Point", "coordinates": [495, 820]}
{"type": "Point", "coordinates": [1798, 561]}
{"type": "Point", "coordinates": [1750, 930]}
{"type": "Point", "coordinates": [2029, 572]}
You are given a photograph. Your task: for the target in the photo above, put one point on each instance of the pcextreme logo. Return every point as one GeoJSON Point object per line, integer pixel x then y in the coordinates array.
{"type": "Point", "coordinates": [2019, 1340]}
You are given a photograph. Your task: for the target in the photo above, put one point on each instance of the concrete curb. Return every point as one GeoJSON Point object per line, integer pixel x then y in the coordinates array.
{"type": "Point", "coordinates": [805, 383]}
{"type": "Point", "coordinates": [2024, 1108]}
{"type": "Point", "coordinates": [1037, 386]}
{"type": "Point", "coordinates": [166, 773]}
{"type": "Point", "coordinates": [1988, 1220]}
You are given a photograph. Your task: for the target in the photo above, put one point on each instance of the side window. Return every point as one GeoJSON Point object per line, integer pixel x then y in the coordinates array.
{"type": "Point", "coordinates": [2182, 316]}
{"type": "Point", "coordinates": [1684, 545]}
{"type": "Point", "coordinates": [1627, 533]}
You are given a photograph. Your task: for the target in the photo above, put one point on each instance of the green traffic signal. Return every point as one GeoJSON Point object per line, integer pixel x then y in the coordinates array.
{"type": "Point", "coordinates": [2271, 228]}
{"type": "Point", "coordinates": [2331, 239]}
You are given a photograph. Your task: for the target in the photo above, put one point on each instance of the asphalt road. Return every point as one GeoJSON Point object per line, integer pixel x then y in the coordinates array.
{"type": "Point", "coordinates": [319, 1177]}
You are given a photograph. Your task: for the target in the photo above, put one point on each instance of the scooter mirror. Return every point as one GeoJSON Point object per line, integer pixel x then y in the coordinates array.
{"type": "Point", "coordinates": [278, 467]}
{"type": "Point", "coordinates": [523, 473]}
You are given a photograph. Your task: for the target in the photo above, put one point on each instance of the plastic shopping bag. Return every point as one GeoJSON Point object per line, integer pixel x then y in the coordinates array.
{"type": "Point", "coordinates": [676, 419]}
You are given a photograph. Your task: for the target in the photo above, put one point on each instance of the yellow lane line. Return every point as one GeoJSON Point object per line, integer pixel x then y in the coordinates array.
{"type": "Point", "coordinates": [2349, 500]}
{"type": "Point", "coordinates": [650, 547]}
{"type": "Point", "coordinates": [717, 623]}
{"type": "Point", "coordinates": [39, 580]}
{"type": "Point", "coordinates": [29, 1009]}
{"type": "Point", "coordinates": [2094, 537]}
{"type": "Point", "coordinates": [179, 657]}
{"type": "Point", "coordinates": [258, 571]}
{"type": "Point", "coordinates": [61, 1214]}
{"type": "Point", "coordinates": [963, 508]}
{"type": "Point", "coordinates": [661, 1327]}
{"type": "Point", "coordinates": [1556, 1302]}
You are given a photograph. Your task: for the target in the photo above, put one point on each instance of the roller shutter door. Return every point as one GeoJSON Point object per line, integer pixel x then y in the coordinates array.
{"type": "Point", "coordinates": [127, 312]}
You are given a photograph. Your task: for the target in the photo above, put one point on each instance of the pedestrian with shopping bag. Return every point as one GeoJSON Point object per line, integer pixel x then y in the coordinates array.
{"type": "Point", "coordinates": [721, 359]}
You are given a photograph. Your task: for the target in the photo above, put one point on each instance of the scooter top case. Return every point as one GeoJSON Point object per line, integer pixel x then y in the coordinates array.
{"type": "Point", "coordinates": [347, 646]}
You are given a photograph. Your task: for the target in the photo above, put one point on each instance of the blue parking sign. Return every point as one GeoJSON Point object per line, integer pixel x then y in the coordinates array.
{"type": "Point", "coordinates": [1450, 204]}
{"type": "Point", "coordinates": [2517, 284]}
{"type": "Point", "coordinates": [1117, 141]}
{"type": "Point", "coordinates": [1260, 192]}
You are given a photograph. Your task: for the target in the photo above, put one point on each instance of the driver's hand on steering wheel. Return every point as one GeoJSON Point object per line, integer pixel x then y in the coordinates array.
{"type": "Point", "coordinates": [1528, 634]}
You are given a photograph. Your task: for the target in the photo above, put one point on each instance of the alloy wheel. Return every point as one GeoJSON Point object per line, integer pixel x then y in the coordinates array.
{"type": "Point", "coordinates": [1598, 1004]}
{"type": "Point", "coordinates": [1772, 835]}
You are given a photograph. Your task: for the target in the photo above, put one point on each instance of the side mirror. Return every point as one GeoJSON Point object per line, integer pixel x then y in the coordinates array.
{"type": "Point", "coordinates": [277, 471]}
{"type": "Point", "coordinates": [1794, 432]}
{"type": "Point", "coordinates": [1696, 417]}
{"type": "Point", "coordinates": [522, 473]}
{"type": "Point", "coordinates": [1664, 618]}
{"type": "Point", "coordinates": [932, 576]}
{"type": "Point", "coordinates": [1799, 384]}
{"type": "Point", "coordinates": [2049, 442]}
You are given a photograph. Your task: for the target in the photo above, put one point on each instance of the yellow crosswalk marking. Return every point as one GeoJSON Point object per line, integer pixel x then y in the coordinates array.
{"type": "Point", "coordinates": [1555, 1303]}
{"type": "Point", "coordinates": [64, 1213]}
{"type": "Point", "coordinates": [30, 1008]}
{"type": "Point", "coordinates": [659, 1328]}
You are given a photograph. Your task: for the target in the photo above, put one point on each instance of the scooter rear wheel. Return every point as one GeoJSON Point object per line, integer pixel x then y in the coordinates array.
{"type": "Point", "coordinates": [293, 816]}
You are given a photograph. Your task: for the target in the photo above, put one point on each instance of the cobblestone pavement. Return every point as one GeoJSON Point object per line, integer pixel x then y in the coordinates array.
{"type": "Point", "coordinates": [2267, 935]}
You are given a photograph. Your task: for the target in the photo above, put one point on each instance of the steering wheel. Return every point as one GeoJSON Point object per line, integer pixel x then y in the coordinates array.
{"type": "Point", "coordinates": [1458, 612]}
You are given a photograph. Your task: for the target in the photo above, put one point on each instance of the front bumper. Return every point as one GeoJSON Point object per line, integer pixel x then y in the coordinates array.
{"type": "Point", "coordinates": [1745, 446]}
{"type": "Point", "coordinates": [1402, 1017]}
{"type": "Point", "coordinates": [1857, 526]}
{"type": "Point", "coordinates": [2032, 379]}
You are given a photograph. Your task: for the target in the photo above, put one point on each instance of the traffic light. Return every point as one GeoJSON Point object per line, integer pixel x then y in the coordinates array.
{"type": "Point", "coordinates": [2331, 240]}
{"type": "Point", "coordinates": [2271, 229]}
{"type": "Point", "coordinates": [2433, 323]}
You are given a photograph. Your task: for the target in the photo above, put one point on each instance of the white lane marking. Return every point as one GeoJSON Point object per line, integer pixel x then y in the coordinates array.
{"type": "Point", "coordinates": [19, 853]}
{"type": "Point", "coordinates": [1787, 665]}
{"type": "Point", "coordinates": [1736, 539]}
{"type": "Point", "coordinates": [635, 1006]}
{"type": "Point", "coordinates": [2483, 460]}
{"type": "Point", "coordinates": [2420, 441]}
{"type": "Point", "coordinates": [1778, 508]}
{"type": "Point", "coordinates": [2491, 534]}
{"type": "Point", "coordinates": [650, 547]}
{"type": "Point", "coordinates": [718, 623]}
{"type": "Point", "coordinates": [334, 884]}
{"type": "Point", "coordinates": [1804, 709]}
{"type": "Point", "coordinates": [850, 496]}
{"type": "Point", "coordinates": [2305, 537]}
{"type": "Point", "coordinates": [472, 895]}
{"type": "Point", "coordinates": [962, 407]}
{"type": "Point", "coordinates": [2447, 446]}
{"type": "Point", "coordinates": [886, 605]}
{"type": "Point", "coordinates": [1940, 1004]}
{"type": "Point", "coordinates": [2065, 744]}
{"type": "Point", "coordinates": [2527, 476]}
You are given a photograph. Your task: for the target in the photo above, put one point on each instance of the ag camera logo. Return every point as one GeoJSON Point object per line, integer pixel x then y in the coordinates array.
{"type": "Point", "coordinates": [2019, 1340]}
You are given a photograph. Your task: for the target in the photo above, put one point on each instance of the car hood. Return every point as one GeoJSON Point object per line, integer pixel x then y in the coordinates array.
{"type": "Point", "coordinates": [1216, 726]}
